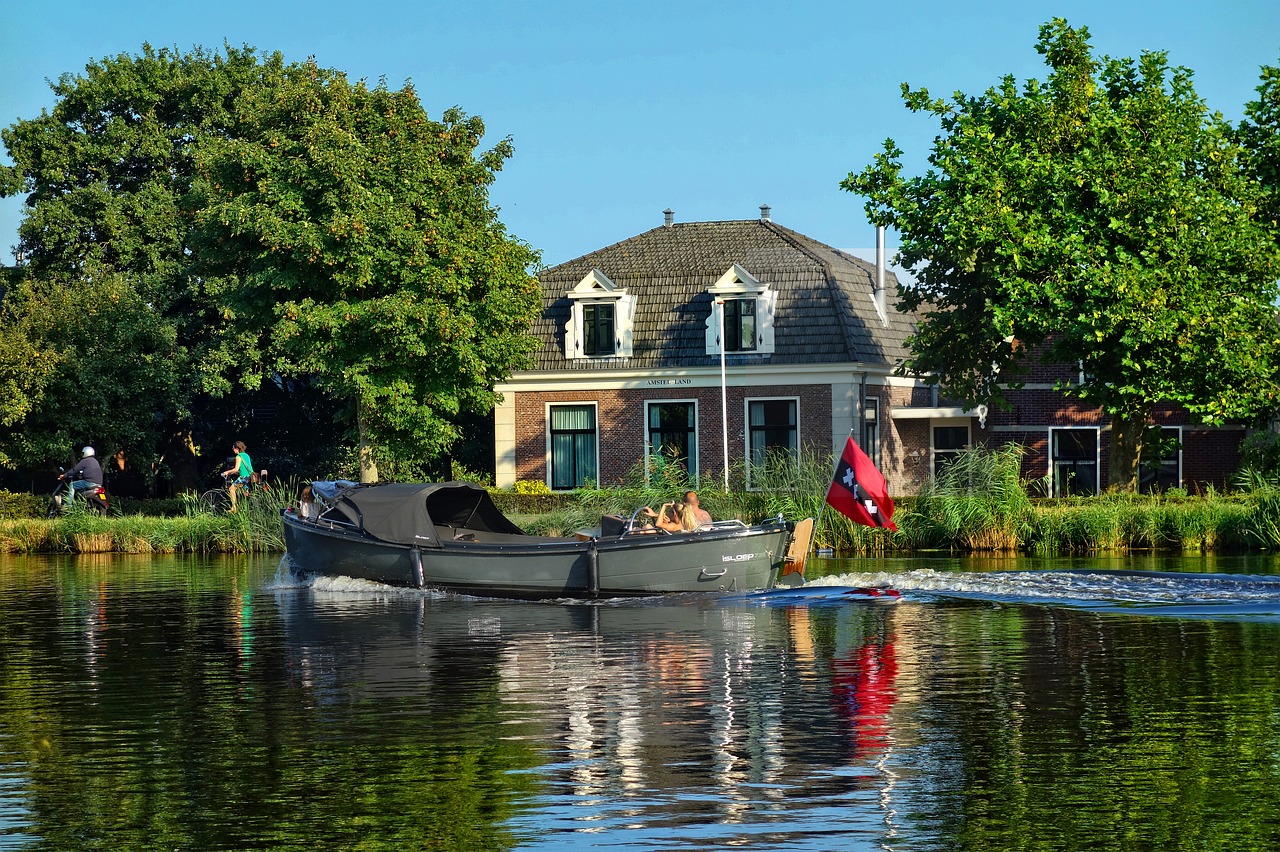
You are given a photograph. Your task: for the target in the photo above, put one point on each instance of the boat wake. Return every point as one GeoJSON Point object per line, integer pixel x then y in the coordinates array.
{"type": "Point", "coordinates": [1154, 592]}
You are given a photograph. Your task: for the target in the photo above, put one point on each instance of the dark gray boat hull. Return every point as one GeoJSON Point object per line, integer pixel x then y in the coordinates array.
{"type": "Point", "coordinates": [728, 558]}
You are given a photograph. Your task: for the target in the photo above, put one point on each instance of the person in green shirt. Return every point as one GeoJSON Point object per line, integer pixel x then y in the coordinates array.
{"type": "Point", "coordinates": [242, 470]}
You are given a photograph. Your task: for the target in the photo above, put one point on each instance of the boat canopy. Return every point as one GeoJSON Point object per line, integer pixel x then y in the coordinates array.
{"type": "Point", "coordinates": [419, 513]}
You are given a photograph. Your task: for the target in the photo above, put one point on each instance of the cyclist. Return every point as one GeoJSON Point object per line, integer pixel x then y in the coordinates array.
{"type": "Point", "coordinates": [242, 471]}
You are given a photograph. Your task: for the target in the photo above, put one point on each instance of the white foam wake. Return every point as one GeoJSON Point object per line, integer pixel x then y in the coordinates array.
{"type": "Point", "coordinates": [1116, 587]}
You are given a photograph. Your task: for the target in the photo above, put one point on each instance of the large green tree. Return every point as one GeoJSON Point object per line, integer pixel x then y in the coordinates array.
{"type": "Point", "coordinates": [1260, 135]}
{"type": "Point", "coordinates": [98, 364]}
{"type": "Point", "coordinates": [1102, 217]}
{"type": "Point", "coordinates": [330, 231]}
{"type": "Point", "coordinates": [350, 238]}
{"type": "Point", "coordinates": [105, 174]}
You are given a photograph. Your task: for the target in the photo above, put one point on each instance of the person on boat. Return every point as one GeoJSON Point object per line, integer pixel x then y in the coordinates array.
{"type": "Point", "coordinates": [307, 505]}
{"type": "Point", "coordinates": [700, 514]}
{"type": "Point", "coordinates": [242, 470]}
{"type": "Point", "coordinates": [673, 517]}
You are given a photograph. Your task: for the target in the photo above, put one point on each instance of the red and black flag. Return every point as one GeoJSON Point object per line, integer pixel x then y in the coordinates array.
{"type": "Point", "coordinates": [858, 491]}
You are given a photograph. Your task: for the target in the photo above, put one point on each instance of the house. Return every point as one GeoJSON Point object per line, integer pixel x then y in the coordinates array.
{"type": "Point", "coordinates": [633, 360]}
{"type": "Point", "coordinates": [716, 343]}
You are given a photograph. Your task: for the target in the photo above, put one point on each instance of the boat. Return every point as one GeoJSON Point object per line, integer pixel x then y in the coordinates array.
{"type": "Point", "coordinates": [451, 536]}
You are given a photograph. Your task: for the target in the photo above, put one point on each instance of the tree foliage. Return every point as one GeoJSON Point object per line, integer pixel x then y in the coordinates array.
{"type": "Point", "coordinates": [1103, 217]}
{"type": "Point", "coordinates": [352, 240]}
{"type": "Point", "coordinates": [107, 171]}
{"type": "Point", "coordinates": [106, 174]}
{"type": "Point", "coordinates": [99, 366]}
{"type": "Point", "coordinates": [1259, 133]}
{"type": "Point", "coordinates": [263, 219]}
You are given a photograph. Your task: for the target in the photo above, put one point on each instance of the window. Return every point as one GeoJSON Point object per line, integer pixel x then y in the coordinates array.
{"type": "Point", "coordinates": [771, 428]}
{"type": "Point", "coordinates": [597, 329]}
{"type": "Point", "coordinates": [1166, 473]}
{"type": "Point", "coordinates": [600, 319]}
{"type": "Point", "coordinates": [747, 312]}
{"type": "Point", "coordinates": [673, 435]}
{"type": "Point", "coordinates": [740, 325]}
{"type": "Point", "coordinates": [948, 442]}
{"type": "Point", "coordinates": [870, 442]}
{"type": "Point", "coordinates": [1073, 461]}
{"type": "Point", "coordinates": [573, 444]}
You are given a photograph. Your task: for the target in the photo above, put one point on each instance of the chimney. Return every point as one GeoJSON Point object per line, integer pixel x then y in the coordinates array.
{"type": "Point", "coordinates": [668, 217]}
{"type": "Point", "coordinates": [878, 293]}
{"type": "Point", "coordinates": [764, 212]}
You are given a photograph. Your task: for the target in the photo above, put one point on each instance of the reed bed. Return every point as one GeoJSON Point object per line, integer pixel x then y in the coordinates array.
{"type": "Point", "coordinates": [979, 504]}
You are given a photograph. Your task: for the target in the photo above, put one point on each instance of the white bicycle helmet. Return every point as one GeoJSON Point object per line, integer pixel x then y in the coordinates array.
{"type": "Point", "coordinates": [88, 451]}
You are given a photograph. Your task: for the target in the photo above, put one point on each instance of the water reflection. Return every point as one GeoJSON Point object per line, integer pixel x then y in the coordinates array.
{"type": "Point", "coordinates": [203, 703]}
{"type": "Point", "coordinates": [696, 716]}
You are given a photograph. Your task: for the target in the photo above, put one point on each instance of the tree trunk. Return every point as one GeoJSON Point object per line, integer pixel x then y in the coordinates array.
{"type": "Point", "coordinates": [368, 467]}
{"type": "Point", "coordinates": [179, 459]}
{"type": "Point", "coordinates": [1127, 430]}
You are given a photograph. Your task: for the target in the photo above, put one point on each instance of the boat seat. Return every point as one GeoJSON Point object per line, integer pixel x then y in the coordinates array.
{"type": "Point", "coordinates": [612, 526]}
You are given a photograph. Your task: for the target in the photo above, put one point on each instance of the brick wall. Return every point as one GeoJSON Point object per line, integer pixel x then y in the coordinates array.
{"type": "Point", "coordinates": [622, 428]}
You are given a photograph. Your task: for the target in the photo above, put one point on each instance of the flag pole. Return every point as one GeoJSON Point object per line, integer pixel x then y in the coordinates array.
{"type": "Point", "coordinates": [817, 525]}
{"type": "Point", "coordinates": [724, 401]}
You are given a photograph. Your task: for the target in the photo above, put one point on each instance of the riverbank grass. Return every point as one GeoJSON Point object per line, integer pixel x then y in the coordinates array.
{"type": "Point", "coordinates": [979, 504]}
{"type": "Point", "coordinates": [255, 528]}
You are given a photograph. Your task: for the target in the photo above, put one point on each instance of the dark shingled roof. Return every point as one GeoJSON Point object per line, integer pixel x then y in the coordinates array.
{"type": "Point", "coordinates": [824, 311]}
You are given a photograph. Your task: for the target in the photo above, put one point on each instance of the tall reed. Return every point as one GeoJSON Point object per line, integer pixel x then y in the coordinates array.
{"type": "Point", "coordinates": [978, 502]}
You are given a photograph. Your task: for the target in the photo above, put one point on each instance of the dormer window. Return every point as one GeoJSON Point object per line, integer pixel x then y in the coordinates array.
{"type": "Point", "coordinates": [739, 325]}
{"type": "Point", "coordinates": [747, 306]}
{"type": "Point", "coordinates": [597, 329]}
{"type": "Point", "coordinates": [599, 323]}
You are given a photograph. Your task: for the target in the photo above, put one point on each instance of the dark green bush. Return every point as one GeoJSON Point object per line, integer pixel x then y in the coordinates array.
{"type": "Point", "coordinates": [155, 507]}
{"type": "Point", "coordinates": [17, 504]}
{"type": "Point", "coordinates": [511, 503]}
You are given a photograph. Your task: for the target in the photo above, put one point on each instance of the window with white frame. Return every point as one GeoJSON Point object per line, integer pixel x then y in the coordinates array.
{"type": "Point", "coordinates": [772, 427]}
{"type": "Point", "coordinates": [947, 441]}
{"type": "Point", "coordinates": [1073, 461]}
{"type": "Point", "coordinates": [870, 442]}
{"type": "Point", "coordinates": [672, 435]}
{"type": "Point", "coordinates": [739, 325]}
{"type": "Point", "coordinates": [1161, 468]}
{"type": "Point", "coordinates": [597, 329]}
{"type": "Point", "coordinates": [573, 446]}
{"type": "Point", "coordinates": [741, 313]}
{"type": "Point", "coordinates": [600, 319]}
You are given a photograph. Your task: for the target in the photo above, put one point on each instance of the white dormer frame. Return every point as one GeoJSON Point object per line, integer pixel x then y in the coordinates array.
{"type": "Point", "coordinates": [738, 283]}
{"type": "Point", "coordinates": [596, 288]}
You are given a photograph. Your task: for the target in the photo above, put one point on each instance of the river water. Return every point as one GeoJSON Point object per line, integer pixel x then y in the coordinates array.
{"type": "Point", "coordinates": [217, 703]}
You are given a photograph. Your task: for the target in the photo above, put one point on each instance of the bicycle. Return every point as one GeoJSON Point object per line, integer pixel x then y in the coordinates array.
{"type": "Point", "coordinates": [217, 501]}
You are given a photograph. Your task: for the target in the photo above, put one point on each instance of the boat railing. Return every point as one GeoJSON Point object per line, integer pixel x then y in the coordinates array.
{"type": "Point", "coordinates": [730, 524]}
{"type": "Point", "coordinates": [613, 525]}
{"type": "Point", "coordinates": [331, 519]}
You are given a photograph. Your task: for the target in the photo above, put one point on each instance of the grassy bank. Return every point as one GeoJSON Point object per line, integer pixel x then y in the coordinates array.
{"type": "Point", "coordinates": [979, 505]}
{"type": "Point", "coordinates": [255, 528]}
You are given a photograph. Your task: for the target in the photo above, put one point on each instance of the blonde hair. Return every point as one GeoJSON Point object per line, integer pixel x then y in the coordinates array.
{"type": "Point", "coordinates": [686, 517]}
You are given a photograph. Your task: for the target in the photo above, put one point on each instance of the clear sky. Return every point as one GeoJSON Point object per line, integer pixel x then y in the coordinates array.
{"type": "Point", "coordinates": [619, 110]}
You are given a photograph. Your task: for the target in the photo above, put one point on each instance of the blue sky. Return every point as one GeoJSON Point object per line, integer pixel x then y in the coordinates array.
{"type": "Point", "coordinates": [619, 110]}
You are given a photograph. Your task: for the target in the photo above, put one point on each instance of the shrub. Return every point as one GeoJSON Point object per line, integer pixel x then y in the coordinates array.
{"type": "Point", "coordinates": [18, 504]}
